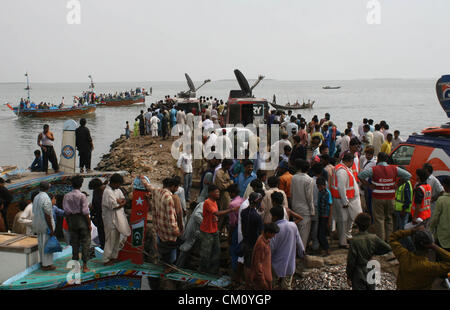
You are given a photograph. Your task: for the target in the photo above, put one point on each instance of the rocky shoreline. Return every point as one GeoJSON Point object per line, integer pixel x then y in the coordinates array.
{"type": "Point", "coordinates": [151, 156]}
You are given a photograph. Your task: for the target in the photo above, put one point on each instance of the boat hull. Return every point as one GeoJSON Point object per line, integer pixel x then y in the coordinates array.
{"type": "Point", "coordinates": [122, 102]}
{"type": "Point", "coordinates": [56, 113]}
{"type": "Point", "coordinates": [301, 107]}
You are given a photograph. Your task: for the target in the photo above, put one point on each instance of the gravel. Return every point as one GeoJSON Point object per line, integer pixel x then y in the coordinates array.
{"type": "Point", "coordinates": [335, 278]}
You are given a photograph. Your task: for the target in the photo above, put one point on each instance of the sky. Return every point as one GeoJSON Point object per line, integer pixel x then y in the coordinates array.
{"type": "Point", "coordinates": [160, 40]}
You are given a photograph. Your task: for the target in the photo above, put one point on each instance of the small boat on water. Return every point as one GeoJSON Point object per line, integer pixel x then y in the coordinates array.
{"type": "Point", "coordinates": [308, 105]}
{"type": "Point", "coordinates": [53, 112]}
{"type": "Point", "coordinates": [331, 87]}
{"type": "Point", "coordinates": [122, 101]}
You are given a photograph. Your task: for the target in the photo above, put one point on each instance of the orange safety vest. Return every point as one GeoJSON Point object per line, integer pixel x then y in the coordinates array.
{"type": "Point", "coordinates": [424, 211]}
{"type": "Point", "coordinates": [355, 168]}
{"type": "Point", "coordinates": [350, 192]}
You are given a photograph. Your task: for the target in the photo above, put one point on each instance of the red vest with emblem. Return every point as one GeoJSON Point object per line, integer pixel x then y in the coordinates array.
{"type": "Point", "coordinates": [350, 192]}
{"type": "Point", "coordinates": [424, 210]}
{"type": "Point", "coordinates": [384, 179]}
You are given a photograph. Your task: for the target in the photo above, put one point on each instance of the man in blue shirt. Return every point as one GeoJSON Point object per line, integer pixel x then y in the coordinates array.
{"type": "Point", "coordinates": [36, 166]}
{"type": "Point", "coordinates": [245, 177]}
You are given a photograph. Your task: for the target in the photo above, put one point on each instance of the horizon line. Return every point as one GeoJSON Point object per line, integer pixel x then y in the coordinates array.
{"type": "Point", "coordinates": [228, 79]}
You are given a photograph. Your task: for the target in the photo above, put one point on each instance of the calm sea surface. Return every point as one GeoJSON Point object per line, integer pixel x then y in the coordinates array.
{"type": "Point", "coordinates": [406, 105]}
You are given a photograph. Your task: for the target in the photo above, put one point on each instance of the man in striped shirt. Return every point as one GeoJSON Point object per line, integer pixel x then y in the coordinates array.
{"type": "Point", "coordinates": [164, 218]}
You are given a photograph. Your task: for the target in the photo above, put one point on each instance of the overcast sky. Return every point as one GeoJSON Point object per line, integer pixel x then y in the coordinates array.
{"type": "Point", "coordinates": [159, 40]}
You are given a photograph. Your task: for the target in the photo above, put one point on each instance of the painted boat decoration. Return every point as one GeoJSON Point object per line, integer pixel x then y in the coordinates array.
{"type": "Point", "coordinates": [116, 102]}
{"type": "Point", "coordinates": [49, 113]}
{"type": "Point", "coordinates": [121, 276]}
{"type": "Point", "coordinates": [443, 93]}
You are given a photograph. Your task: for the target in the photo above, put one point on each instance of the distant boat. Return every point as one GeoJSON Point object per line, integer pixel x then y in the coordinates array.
{"type": "Point", "coordinates": [331, 87]}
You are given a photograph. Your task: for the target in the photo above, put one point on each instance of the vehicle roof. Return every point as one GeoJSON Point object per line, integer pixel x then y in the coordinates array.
{"type": "Point", "coordinates": [441, 142]}
{"type": "Point", "coordinates": [244, 100]}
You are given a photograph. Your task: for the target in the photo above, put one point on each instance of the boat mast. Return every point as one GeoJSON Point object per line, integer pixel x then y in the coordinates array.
{"type": "Point", "coordinates": [92, 86]}
{"type": "Point", "coordinates": [28, 86]}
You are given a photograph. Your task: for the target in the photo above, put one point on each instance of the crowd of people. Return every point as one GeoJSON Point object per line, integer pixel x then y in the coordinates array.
{"type": "Point", "coordinates": [327, 183]}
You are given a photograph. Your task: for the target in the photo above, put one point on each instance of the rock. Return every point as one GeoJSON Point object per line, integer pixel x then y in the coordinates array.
{"type": "Point", "coordinates": [314, 261]}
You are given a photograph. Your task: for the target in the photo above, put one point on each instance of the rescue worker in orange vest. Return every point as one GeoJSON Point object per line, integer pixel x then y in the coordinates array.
{"type": "Point", "coordinates": [422, 198]}
{"type": "Point", "coordinates": [346, 199]}
{"type": "Point", "coordinates": [384, 179]}
{"type": "Point", "coordinates": [354, 150]}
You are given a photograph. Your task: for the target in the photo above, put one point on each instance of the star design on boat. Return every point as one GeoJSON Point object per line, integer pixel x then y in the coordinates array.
{"type": "Point", "coordinates": [139, 201]}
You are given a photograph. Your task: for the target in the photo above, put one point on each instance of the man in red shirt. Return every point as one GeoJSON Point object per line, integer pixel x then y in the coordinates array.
{"type": "Point", "coordinates": [209, 235]}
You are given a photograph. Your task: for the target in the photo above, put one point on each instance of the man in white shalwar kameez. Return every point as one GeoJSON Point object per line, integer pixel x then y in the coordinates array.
{"type": "Point", "coordinates": [43, 222]}
{"type": "Point", "coordinates": [114, 219]}
{"type": "Point", "coordinates": [345, 209]}
{"type": "Point", "coordinates": [154, 120]}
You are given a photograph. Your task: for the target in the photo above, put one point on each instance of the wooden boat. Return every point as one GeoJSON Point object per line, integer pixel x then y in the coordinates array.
{"type": "Point", "coordinates": [124, 275]}
{"type": "Point", "coordinates": [331, 87]}
{"type": "Point", "coordinates": [293, 107]}
{"type": "Point", "coordinates": [49, 113]}
{"type": "Point", "coordinates": [116, 102]}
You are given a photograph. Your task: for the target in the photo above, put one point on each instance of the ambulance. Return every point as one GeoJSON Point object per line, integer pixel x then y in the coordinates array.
{"type": "Point", "coordinates": [431, 146]}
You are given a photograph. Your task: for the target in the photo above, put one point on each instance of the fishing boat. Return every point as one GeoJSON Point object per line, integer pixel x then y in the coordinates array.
{"type": "Point", "coordinates": [331, 87]}
{"type": "Point", "coordinates": [122, 101]}
{"type": "Point", "coordinates": [50, 112]}
{"type": "Point", "coordinates": [127, 274]}
{"type": "Point", "coordinates": [53, 112]}
{"type": "Point", "coordinates": [308, 105]}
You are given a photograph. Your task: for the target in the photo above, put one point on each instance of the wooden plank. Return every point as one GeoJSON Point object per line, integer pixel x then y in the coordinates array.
{"type": "Point", "coordinates": [17, 238]}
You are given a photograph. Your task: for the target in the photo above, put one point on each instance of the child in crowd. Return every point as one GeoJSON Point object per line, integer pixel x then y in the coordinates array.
{"type": "Point", "coordinates": [362, 247]}
{"type": "Point", "coordinates": [324, 208]}
{"type": "Point", "coordinates": [261, 266]}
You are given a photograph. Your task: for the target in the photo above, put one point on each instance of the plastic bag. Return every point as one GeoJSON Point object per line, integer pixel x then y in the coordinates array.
{"type": "Point", "coordinates": [52, 245]}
